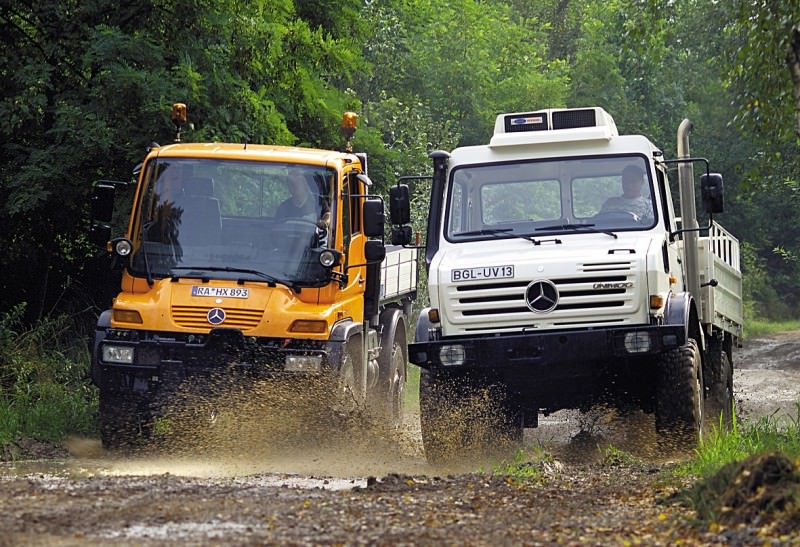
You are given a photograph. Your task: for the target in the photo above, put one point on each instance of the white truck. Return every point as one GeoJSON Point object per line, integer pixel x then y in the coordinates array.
{"type": "Point", "coordinates": [549, 280]}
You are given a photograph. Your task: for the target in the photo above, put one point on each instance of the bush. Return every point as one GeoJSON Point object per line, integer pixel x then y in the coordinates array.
{"type": "Point", "coordinates": [45, 393]}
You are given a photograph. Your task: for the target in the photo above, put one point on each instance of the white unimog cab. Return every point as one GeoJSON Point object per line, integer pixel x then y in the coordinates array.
{"type": "Point", "coordinates": [538, 286]}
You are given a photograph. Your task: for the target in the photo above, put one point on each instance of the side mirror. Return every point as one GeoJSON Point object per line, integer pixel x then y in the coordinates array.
{"type": "Point", "coordinates": [103, 202]}
{"type": "Point", "coordinates": [399, 204]}
{"type": "Point", "coordinates": [99, 235]}
{"type": "Point", "coordinates": [711, 192]}
{"type": "Point", "coordinates": [401, 235]}
{"type": "Point", "coordinates": [374, 251]}
{"type": "Point", "coordinates": [373, 218]}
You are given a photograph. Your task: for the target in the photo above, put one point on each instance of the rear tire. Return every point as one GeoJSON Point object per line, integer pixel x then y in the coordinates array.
{"type": "Point", "coordinates": [397, 381]}
{"type": "Point", "coordinates": [389, 394]}
{"type": "Point", "coordinates": [679, 398]}
{"type": "Point", "coordinates": [720, 390]}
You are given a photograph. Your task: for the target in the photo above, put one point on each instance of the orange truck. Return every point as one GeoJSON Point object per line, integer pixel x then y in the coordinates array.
{"type": "Point", "coordinates": [256, 260]}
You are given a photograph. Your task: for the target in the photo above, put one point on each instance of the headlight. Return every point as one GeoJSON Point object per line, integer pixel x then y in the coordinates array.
{"type": "Point", "coordinates": [117, 354]}
{"type": "Point", "coordinates": [123, 247]}
{"type": "Point", "coordinates": [637, 342]}
{"type": "Point", "coordinates": [452, 355]}
{"type": "Point", "coordinates": [303, 363]}
{"type": "Point", "coordinates": [328, 258]}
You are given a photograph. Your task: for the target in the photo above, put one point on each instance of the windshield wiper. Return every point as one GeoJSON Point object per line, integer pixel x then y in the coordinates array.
{"type": "Point", "coordinates": [497, 231]}
{"type": "Point", "coordinates": [576, 227]}
{"type": "Point", "coordinates": [266, 277]}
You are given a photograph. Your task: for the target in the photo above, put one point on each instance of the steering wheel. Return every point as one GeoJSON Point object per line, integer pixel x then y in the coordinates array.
{"type": "Point", "coordinates": [298, 221]}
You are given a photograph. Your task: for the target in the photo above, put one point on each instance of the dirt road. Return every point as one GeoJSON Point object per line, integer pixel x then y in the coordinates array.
{"type": "Point", "coordinates": [380, 491]}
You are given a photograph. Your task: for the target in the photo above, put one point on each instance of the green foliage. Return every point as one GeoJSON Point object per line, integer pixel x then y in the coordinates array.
{"type": "Point", "coordinates": [465, 63]}
{"type": "Point", "coordinates": [758, 40]}
{"type": "Point", "coordinates": [44, 389]}
{"type": "Point", "coordinates": [87, 86]}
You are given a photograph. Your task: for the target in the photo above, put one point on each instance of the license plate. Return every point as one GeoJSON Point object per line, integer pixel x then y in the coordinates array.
{"type": "Point", "coordinates": [220, 292]}
{"type": "Point", "coordinates": [485, 272]}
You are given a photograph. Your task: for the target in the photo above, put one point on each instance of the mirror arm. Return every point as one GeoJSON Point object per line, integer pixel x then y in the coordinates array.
{"type": "Point", "coordinates": [672, 235]}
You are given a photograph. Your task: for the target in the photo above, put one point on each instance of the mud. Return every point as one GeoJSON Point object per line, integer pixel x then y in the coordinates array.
{"type": "Point", "coordinates": [251, 481]}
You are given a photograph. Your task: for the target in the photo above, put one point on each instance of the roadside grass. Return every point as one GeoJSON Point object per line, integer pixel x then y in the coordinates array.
{"type": "Point", "coordinates": [616, 457]}
{"type": "Point", "coordinates": [768, 434]}
{"type": "Point", "coordinates": [758, 327]}
{"type": "Point", "coordinates": [45, 393]}
{"type": "Point", "coordinates": [527, 464]}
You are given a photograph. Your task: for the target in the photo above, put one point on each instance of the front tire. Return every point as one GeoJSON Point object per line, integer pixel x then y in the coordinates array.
{"type": "Point", "coordinates": [679, 397]}
{"type": "Point", "coordinates": [466, 415]}
{"type": "Point", "coordinates": [123, 424]}
{"type": "Point", "coordinates": [348, 382]}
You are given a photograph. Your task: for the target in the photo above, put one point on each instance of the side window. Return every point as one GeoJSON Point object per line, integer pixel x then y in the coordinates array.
{"type": "Point", "coordinates": [351, 218]}
{"type": "Point", "coordinates": [457, 210]}
{"type": "Point", "coordinates": [346, 222]}
{"type": "Point", "coordinates": [354, 189]}
{"type": "Point", "coordinates": [666, 204]}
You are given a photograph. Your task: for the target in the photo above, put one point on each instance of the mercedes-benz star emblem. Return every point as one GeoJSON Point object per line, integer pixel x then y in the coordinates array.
{"type": "Point", "coordinates": [216, 316]}
{"type": "Point", "coordinates": [541, 296]}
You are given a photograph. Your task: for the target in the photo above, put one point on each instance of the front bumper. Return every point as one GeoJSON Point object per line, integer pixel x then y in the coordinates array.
{"type": "Point", "coordinates": [543, 349]}
{"type": "Point", "coordinates": [175, 355]}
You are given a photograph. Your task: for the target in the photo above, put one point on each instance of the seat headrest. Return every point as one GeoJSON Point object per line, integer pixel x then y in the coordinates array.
{"type": "Point", "coordinates": [200, 186]}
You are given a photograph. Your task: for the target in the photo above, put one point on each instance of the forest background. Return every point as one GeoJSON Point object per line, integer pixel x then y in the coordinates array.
{"type": "Point", "coordinates": [87, 85]}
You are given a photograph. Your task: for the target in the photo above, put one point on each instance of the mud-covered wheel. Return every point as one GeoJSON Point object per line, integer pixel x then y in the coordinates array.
{"type": "Point", "coordinates": [439, 434]}
{"type": "Point", "coordinates": [397, 382]}
{"type": "Point", "coordinates": [390, 392]}
{"type": "Point", "coordinates": [466, 415]}
{"type": "Point", "coordinates": [348, 381]}
{"type": "Point", "coordinates": [123, 424]}
{"type": "Point", "coordinates": [679, 397]}
{"type": "Point", "coordinates": [719, 406]}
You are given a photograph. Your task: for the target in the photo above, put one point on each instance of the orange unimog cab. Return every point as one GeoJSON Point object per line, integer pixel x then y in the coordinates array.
{"type": "Point", "coordinates": [249, 259]}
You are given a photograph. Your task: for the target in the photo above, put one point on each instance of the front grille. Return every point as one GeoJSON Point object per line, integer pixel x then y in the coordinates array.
{"type": "Point", "coordinates": [597, 292]}
{"type": "Point", "coordinates": [195, 317]}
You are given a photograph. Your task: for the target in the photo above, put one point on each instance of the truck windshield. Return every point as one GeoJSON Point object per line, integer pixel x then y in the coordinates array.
{"type": "Point", "coordinates": [234, 219]}
{"type": "Point", "coordinates": [569, 196]}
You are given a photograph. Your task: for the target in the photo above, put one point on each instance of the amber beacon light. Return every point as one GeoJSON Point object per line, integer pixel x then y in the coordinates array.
{"type": "Point", "coordinates": [349, 124]}
{"type": "Point", "coordinates": [179, 117]}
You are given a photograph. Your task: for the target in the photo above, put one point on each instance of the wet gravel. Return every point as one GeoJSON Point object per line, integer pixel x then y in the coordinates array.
{"type": "Point", "coordinates": [597, 504]}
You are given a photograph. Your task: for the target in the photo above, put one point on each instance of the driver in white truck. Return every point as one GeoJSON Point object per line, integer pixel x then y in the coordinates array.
{"type": "Point", "coordinates": [631, 200]}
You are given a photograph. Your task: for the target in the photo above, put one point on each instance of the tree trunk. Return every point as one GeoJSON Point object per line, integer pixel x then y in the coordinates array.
{"type": "Point", "coordinates": [793, 62]}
